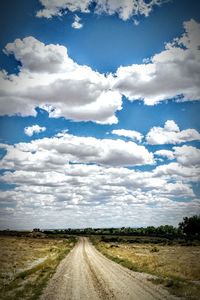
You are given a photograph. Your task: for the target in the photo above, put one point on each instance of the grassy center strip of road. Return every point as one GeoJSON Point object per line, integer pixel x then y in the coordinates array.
{"type": "Point", "coordinates": [176, 267]}
{"type": "Point", "coordinates": [26, 264]}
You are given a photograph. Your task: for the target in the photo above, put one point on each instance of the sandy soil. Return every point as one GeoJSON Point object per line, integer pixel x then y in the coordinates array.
{"type": "Point", "coordinates": [85, 274]}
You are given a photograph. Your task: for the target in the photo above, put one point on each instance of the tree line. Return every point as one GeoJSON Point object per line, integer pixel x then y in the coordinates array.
{"type": "Point", "coordinates": [190, 226]}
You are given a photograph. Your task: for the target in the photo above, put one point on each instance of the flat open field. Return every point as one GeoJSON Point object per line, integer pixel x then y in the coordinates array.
{"type": "Point", "coordinates": [175, 266]}
{"type": "Point", "coordinates": [26, 264]}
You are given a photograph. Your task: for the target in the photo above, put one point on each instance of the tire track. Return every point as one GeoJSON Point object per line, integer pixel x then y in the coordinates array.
{"type": "Point", "coordinates": [85, 274]}
{"type": "Point", "coordinates": [100, 285]}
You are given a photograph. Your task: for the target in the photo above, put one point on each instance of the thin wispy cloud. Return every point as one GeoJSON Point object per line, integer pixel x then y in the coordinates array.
{"type": "Point", "coordinates": [77, 24]}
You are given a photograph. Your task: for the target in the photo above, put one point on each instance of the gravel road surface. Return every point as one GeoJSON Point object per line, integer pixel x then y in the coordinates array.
{"type": "Point", "coordinates": [85, 274]}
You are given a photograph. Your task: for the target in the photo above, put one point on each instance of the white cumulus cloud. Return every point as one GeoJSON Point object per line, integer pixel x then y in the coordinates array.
{"type": "Point", "coordinates": [65, 148]}
{"type": "Point", "coordinates": [48, 78]}
{"type": "Point", "coordinates": [30, 130]}
{"type": "Point", "coordinates": [66, 176]}
{"type": "Point", "coordinates": [98, 195]}
{"type": "Point", "coordinates": [125, 9]}
{"type": "Point", "coordinates": [187, 155]}
{"type": "Point", "coordinates": [172, 73]}
{"type": "Point", "coordinates": [132, 134]}
{"type": "Point", "coordinates": [165, 153]}
{"type": "Point", "coordinates": [37, 57]}
{"type": "Point", "coordinates": [171, 134]}
{"type": "Point", "coordinates": [58, 7]}
{"type": "Point", "coordinates": [177, 171]}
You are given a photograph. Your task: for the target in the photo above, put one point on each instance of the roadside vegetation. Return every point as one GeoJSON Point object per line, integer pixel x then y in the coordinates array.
{"type": "Point", "coordinates": [172, 259]}
{"type": "Point", "coordinates": [28, 262]}
{"type": "Point", "coordinates": [175, 265]}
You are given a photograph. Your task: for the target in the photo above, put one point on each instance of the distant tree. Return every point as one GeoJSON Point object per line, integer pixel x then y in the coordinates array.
{"type": "Point", "coordinates": [150, 230]}
{"type": "Point", "coordinates": [36, 229]}
{"type": "Point", "coordinates": [88, 230]}
{"type": "Point", "coordinates": [190, 225]}
{"type": "Point", "coordinates": [166, 230]}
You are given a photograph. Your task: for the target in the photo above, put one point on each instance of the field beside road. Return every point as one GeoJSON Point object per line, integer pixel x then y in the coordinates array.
{"type": "Point", "coordinates": [176, 265]}
{"type": "Point", "coordinates": [27, 263]}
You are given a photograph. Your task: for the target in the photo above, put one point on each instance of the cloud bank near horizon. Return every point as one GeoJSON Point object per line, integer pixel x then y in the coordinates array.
{"type": "Point", "coordinates": [84, 175]}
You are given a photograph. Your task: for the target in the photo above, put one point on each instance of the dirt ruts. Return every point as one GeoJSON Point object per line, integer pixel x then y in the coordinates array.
{"type": "Point", "coordinates": [85, 274]}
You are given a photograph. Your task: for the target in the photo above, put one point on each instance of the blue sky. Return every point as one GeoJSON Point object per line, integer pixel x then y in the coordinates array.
{"type": "Point", "coordinates": [99, 118]}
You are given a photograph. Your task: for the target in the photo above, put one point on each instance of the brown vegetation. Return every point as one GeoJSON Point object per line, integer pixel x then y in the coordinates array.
{"type": "Point", "coordinates": [175, 266]}
{"type": "Point", "coordinates": [27, 263]}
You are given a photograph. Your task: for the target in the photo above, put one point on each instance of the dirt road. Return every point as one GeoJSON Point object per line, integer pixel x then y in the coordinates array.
{"type": "Point", "coordinates": [85, 274]}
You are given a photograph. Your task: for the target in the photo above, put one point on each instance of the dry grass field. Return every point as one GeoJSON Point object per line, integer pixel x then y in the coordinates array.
{"type": "Point", "coordinates": [26, 264]}
{"type": "Point", "coordinates": [175, 266]}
